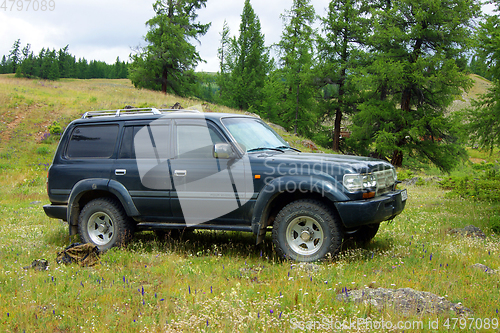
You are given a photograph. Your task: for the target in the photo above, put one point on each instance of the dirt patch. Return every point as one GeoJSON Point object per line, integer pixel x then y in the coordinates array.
{"type": "Point", "coordinates": [5, 135]}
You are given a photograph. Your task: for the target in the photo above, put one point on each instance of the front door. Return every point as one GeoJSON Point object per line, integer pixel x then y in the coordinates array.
{"type": "Point", "coordinates": [205, 188]}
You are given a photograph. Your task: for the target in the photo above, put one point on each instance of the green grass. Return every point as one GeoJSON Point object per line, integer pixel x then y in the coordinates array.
{"type": "Point", "coordinates": [212, 281]}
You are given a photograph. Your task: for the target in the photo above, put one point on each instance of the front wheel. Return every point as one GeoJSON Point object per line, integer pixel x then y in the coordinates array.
{"type": "Point", "coordinates": [104, 223]}
{"type": "Point", "coordinates": [306, 230]}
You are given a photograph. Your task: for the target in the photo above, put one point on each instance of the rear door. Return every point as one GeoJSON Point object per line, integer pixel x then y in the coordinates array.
{"type": "Point", "coordinates": [142, 166]}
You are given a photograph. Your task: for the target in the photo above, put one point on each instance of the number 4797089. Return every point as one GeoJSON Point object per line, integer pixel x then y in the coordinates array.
{"type": "Point", "coordinates": [27, 5]}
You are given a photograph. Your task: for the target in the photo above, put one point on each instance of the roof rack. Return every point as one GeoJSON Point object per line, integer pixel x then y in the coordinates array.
{"type": "Point", "coordinates": [131, 112]}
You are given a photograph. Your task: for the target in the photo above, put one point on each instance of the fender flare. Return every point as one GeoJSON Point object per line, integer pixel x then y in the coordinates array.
{"type": "Point", "coordinates": [97, 184]}
{"type": "Point", "coordinates": [325, 185]}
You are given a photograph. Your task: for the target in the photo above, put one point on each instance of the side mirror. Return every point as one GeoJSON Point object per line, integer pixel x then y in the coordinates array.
{"type": "Point", "coordinates": [223, 150]}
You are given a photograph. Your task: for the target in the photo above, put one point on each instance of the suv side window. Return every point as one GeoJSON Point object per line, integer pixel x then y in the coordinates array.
{"type": "Point", "coordinates": [92, 141]}
{"type": "Point", "coordinates": [153, 141]}
{"type": "Point", "coordinates": [196, 141]}
{"type": "Point", "coordinates": [127, 147]}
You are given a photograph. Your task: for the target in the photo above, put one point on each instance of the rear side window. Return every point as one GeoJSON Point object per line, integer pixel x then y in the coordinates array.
{"type": "Point", "coordinates": [149, 141]}
{"type": "Point", "coordinates": [92, 141]}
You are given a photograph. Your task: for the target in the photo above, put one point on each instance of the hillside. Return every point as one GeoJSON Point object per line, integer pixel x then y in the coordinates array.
{"type": "Point", "coordinates": [481, 86]}
{"type": "Point", "coordinates": [28, 107]}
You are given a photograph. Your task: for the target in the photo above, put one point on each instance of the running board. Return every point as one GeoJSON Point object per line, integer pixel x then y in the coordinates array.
{"type": "Point", "coordinates": [153, 226]}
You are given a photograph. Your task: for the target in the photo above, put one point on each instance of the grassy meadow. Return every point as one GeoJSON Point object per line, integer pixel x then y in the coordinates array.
{"type": "Point", "coordinates": [215, 281]}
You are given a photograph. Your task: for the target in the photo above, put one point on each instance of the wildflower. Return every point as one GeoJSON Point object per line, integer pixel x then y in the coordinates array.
{"type": "Point", "coordinates": [271, 311]}
{"type": "Point", "coordinates": [189, 289]}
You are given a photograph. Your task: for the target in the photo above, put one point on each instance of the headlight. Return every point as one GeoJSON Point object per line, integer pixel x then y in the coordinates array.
{"type": "Point", "coordinates": [356, 182]}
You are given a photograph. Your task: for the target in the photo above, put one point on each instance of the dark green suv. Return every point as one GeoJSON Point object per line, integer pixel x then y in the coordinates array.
{"type": "Point", "coordinates": [115, 172]}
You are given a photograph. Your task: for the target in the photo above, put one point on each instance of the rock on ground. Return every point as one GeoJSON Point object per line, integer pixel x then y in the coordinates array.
{"type": "Point", "coordinates": [468, 231]}
{"type": "Point", "coordinates": [405, 300]}
{"type": "Point", "coordinates": [484, 268]}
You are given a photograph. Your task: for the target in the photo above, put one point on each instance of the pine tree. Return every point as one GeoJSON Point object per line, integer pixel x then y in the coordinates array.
{"type": "Point", "coordinates": [3, 65]}
{"type": "Point", "coordinates": [341, 55]}
{"type": "Point", "coordinates": [483, 119]}
{"type": "Point", "coordinates": [251, 63]}
{"type": "Point", "coordinates": [296, 49]}
{"type": "Point", "coordinates": [226, 55]}
{"type": "Point", "coordinates": [66, 63]}
{"type": "Point", "coordinates": [15, 55]}
{"type": "Point", "coordinates": [414, 78]}
{"type": "Point", "coordinates": [167, 63]}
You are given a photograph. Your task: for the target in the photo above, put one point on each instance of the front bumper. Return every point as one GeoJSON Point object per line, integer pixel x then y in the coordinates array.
{"type": "Point", "coordinates": [56, 211]}
{"type": "Point", "coordinates": [363, 212]}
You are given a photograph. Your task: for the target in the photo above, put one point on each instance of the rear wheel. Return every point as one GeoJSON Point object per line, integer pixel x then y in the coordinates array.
{"type": "Point", "coordinates": [104, 223]}
{"type": "Point", "coordinates": [306, 230]}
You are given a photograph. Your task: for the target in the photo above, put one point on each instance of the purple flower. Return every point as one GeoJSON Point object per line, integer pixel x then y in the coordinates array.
{"type": "Point", "coordinates": [271, 311]}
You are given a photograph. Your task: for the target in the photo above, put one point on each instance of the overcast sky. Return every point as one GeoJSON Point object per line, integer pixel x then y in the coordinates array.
{"type": "Point", "coordinates": [103, 30]}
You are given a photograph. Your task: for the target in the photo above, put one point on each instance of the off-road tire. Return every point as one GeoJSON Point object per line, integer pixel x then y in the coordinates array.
{"type": "Point", "coordinates": [104, 223]}
{"type": "Point", "coordinates": [306, 230]}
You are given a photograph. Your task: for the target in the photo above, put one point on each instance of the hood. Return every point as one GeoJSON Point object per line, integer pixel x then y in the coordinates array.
{"type": "Point", "coordinates": [332, 164]}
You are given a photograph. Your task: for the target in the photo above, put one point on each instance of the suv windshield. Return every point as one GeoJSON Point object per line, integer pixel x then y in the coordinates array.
{"type": "Point", "coordinates": [253, 134]}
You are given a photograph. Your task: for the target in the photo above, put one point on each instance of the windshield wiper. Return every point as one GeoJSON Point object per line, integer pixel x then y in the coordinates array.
{"type": "Point", "coordinates": [265, 148]}
{"type": "Point", "coordinates": [288, 147]}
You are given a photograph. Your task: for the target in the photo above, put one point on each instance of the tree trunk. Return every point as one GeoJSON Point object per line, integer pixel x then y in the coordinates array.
{"type": "Point", "coordinates": [336, 130]}
{"type": "Point", "coordinates": [338, 111]}
{"type": "Point", "coordinates": [297, 109]}
{"type": "Point", "coordinates": [164, 81]}
{"type": "Point", "coordinates": [397, 158]}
